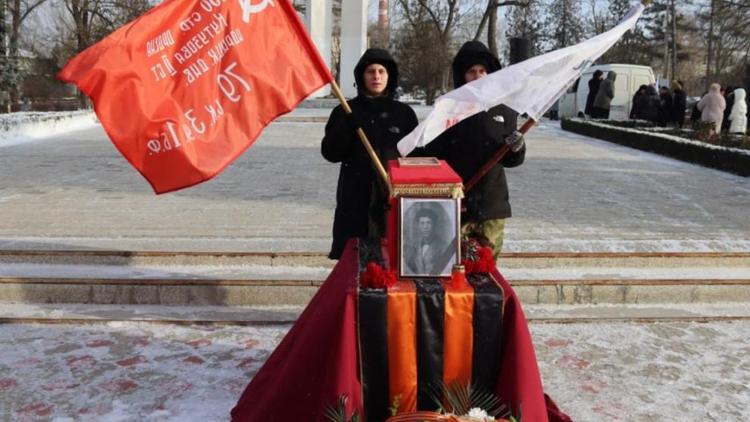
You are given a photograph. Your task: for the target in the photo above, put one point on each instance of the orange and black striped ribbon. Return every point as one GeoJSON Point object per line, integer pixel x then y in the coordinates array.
{"type": "Point", "coordinates": [430, 331]}
{"type": "Point", "coordinates": [487, 324]}
{"type": "Point", "coordinates": [402, 345]}
{"type": "Point", "coordinates": [416, 336]}
{"type": "Point", "coordinates": [458, 341]}
{"type": "Point", "coordinates": [373, 340]}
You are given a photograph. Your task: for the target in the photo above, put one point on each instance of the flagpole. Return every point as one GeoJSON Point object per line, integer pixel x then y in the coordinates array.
{"type": "Point", "coordinates": [496, 158]}
{"type": "Point", "coordinates": [363, 137]}
{"type": "Point", "coordinates": [504, 149]}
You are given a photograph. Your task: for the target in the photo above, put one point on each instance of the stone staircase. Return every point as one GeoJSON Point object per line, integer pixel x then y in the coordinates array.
{"type": "Point", "coordinates": [260, 288]}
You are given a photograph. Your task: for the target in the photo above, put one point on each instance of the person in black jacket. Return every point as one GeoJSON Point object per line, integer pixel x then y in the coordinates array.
{"type": "Point", "coordinates": [470, 144]}
{"type": "Point", "coordinates": [594, 83]}
{"type": "Point", "coordinates": [664, 114]}
{"type": "Point", "coordinates": [361, 196]}
{"type": "Point", "coordinates": [639, 103]}
{"type": "Point", "coordinates": [679, 104]}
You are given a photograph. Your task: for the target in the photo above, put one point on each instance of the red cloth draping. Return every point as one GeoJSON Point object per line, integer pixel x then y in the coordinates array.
{"type": "Point", "coordinates": [317, 361]}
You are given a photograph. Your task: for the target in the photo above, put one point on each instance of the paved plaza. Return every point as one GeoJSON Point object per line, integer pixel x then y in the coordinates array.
{"type": "Point", "coordinates": [147, 372]}
{"type": "Point", "coordinates": [572, 194]}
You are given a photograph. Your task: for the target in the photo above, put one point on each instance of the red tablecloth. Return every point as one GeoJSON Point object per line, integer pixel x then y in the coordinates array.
{"type": "Point", "coordinates": [318, 360]}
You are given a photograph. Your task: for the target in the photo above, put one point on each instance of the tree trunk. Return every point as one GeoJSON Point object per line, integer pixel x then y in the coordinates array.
{"type": "Point", "coordinates": [492, 31]}
{"type": "Point", "coordinates": [3, 31]}
{"type": "Point", "coordinates": [485, 18]}
{"type": "Point", "coordinates": [674, 41]}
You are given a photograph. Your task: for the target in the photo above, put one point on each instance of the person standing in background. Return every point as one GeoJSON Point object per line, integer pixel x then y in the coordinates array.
{"type": "Point", "coordinates": [679, 104]}
{"type": "Point", "coordinates": [712, 107]}
{"type": "Point", "coordinates": [594, 83]}
{"type": "Point", "coordinates": [665, 106]}
{"type": "Point", "coordinates": [738, 115]}
{"type": "Point", "coordinates": [604, 96]}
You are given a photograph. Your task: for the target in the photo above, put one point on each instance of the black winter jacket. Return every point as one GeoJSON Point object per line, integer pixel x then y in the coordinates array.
{"type": "Point", "coordinates": [679, 104]}
{"type": "Point", "coordinates": [472, 142]}
{"type": "Point", "coordinates": [593, 90]}
{"type": "Point", "coordinates": [467, 146]}
{"type": "Point", "coordinates": [360, 199]}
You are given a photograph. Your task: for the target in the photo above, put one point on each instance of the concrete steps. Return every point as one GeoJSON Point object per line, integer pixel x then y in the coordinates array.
{"type": "Point", "coordinates": [291, 279]}
{"type": "Point", "coordinates": [283, 315]}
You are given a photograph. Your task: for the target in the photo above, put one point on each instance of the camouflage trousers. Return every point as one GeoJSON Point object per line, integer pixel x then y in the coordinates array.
{"type": "Point", "coordinates": [493, 230]}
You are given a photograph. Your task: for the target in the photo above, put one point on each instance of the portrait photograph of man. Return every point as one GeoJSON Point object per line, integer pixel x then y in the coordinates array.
{"type": "Point", "coordinates": [429, 236]}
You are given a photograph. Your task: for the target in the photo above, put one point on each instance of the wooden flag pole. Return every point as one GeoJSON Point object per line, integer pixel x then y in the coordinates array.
{"type": "Point", "coordinates": [496, 158]}
{"type": "Point", "coordinates": [363, 137]}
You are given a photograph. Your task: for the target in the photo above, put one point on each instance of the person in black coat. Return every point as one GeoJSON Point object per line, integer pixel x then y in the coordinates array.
{"type": "Point", "coordinates": [651, 111]}
{"type": "Point", "coordinates": [665, 106]}
{"type": "Point", "coordinates": [640, 103]}
{"type": "Point", "coordinates": [469, 144]}
{"type": "Point", "coordinates": [729, 98]}
{"type": "Point", "coordinates": [361, 196]}
{"type": "Point", "coordinates": [594, 83]}
{"type": "Point", "coordinates": [679, 104]}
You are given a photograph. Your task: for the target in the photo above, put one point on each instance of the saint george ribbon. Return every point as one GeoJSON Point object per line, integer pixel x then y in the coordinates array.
{"type": "Point", "coordinates": [186, 88]}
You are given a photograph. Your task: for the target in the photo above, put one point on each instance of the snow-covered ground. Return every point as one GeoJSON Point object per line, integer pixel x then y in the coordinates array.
{"type": "Point", "coordinates": [573, 193]}
{"type": "Point", "coordinates": [72, 189]}
{"type": "Point", "coordinates": [23, 127]}
{"type": "Point", "coordinates": [142, 371]}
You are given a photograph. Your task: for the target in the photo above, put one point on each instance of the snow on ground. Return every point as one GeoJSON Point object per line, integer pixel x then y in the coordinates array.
{"type": "Point", "coordinates": [140, 371]}
{"type": "Point", "coordinates": [22, 127]}
{"type": "Point", "coordinates": [127, 371]}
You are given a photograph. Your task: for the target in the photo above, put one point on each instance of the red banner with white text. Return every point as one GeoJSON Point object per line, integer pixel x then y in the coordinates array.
{"type": "Point", "coordinates": [183, 90]}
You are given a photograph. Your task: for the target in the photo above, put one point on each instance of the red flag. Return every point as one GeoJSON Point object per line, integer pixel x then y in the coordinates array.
{"type": "Point", "coordinates": [183, 90]}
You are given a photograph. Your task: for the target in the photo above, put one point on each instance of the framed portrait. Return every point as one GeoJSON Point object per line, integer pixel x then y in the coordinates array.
{"type": "Point", "coordinates": [429, 234]}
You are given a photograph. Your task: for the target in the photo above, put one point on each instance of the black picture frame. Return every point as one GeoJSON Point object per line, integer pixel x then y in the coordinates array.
{"type": "Point", "coordinates": [429, 236]}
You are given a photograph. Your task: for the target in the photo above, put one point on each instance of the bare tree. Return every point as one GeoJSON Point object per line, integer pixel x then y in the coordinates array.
{"type": "Point", "coordinates": [19, 10]}
{"type": "Point", "coordinates": [489, 19]}
{"type": "Point", "coordinates": [424, 43]}
{"type": "Point", "coordinates": [727, 38]}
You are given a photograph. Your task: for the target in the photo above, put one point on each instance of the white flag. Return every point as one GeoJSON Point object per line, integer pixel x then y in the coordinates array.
{"type": "Point", "coordinates": [530, 87]}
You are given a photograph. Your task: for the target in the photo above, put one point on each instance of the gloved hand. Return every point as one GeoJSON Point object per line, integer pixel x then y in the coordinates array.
{"type": "Point", "coordinates": [515, 141]}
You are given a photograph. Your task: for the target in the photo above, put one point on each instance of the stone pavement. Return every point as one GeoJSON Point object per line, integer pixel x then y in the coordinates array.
{"type": "Point", "coordinates": [572, 194]}
{"type": "Point", "coordinates": [141, 371]}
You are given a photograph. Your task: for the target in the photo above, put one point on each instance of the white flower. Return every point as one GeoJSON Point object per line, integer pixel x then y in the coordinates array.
{"type": "Point", "coordinates": [478, 414]}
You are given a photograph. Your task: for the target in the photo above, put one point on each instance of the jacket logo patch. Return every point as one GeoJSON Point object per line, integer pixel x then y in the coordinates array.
{"type": "Point", "coordinates": [384, 115]}
{"type": "Point", "coordinates": [499, 119]}
{"type": "Point", "coordinates": [395, 129]}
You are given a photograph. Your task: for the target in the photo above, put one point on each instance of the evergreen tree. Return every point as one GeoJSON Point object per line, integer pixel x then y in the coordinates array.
{"type": "Point", "coordinates": [564, 24]}
{"type": "Point", "coordinates": [634, 47]}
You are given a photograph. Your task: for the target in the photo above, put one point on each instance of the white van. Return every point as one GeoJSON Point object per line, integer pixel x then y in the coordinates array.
{"type": "Point", "coordinates": [629, 78]}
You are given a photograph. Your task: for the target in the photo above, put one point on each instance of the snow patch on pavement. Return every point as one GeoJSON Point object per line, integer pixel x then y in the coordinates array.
{"type": "Point", "coordinates": [23, 127]}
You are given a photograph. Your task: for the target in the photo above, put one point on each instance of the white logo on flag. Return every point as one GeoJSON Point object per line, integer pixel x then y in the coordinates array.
{"type": "Point", "coordinates": [248, 8]}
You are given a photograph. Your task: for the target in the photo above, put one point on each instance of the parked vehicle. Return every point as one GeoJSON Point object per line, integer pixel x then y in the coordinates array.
{"type": "Point", "coordinates": [629, 78]}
